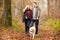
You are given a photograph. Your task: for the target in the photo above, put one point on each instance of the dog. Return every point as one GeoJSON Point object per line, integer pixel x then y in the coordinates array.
{"type": "Point", "coordinates": [32, 31]}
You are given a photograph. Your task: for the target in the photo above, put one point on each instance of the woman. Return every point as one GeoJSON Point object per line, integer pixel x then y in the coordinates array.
{"type": "Point", "coordinates": [27, 16]}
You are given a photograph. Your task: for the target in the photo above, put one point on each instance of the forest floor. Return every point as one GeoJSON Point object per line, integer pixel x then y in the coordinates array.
{"type": "Point", "coordinates": [44, 33]}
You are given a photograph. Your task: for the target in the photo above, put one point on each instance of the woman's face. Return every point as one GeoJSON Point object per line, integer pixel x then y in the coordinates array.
{"type": "Point", "coordinates": [27, 6]}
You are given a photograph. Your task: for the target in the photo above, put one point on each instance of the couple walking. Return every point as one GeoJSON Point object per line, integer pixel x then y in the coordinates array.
{"type": "Point", "coordinates": [31, 15]}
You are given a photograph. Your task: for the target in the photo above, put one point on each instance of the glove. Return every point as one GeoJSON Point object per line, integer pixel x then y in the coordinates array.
{"type": "Point", "coordinates": [26, 17]}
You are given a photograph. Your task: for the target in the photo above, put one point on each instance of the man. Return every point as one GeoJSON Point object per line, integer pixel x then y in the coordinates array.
{"type": "Point", "coordinates": [27, 16]}
{"type": "Point", "coordinates": [36, 15]}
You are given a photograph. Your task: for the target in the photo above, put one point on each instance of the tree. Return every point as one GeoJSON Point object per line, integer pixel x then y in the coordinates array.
{"type": "Point", "coordinates": [6, 16]}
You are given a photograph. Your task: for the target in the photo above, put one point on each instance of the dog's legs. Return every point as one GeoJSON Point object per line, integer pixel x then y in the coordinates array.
{"type": "Point", "coordinates": [33, 36]}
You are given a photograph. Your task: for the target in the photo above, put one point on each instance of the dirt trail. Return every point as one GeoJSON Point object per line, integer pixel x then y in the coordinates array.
{"type": "Point", "coordinates": [45, 33]}
{"type": "Point", "coordinates": [10, 34]}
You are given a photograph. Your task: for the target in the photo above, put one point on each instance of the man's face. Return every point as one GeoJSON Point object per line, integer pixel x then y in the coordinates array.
{"type": "Point", "coordinates": [34, 4]}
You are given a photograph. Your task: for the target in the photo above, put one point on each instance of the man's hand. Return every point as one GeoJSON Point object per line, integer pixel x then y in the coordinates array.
{"type": "Point", "coordinates": [37, 18]}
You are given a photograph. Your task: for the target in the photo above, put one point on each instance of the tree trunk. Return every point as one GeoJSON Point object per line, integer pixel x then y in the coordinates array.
{"type": "Point", "coordinates": [6, 17]}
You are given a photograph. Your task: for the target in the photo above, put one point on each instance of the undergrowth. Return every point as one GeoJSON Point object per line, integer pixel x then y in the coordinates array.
{"type": "Point", "coordinates": [53, 23]}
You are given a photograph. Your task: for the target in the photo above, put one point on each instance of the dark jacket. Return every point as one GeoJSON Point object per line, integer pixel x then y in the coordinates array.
{"type": "Point", "coordinates": [25, 14]}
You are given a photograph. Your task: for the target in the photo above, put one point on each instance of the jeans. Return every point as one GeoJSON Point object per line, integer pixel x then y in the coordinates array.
{"type": "Point", "coordinates": [27, 23]}
{"type": "Point", "coordinates": [36, 25]}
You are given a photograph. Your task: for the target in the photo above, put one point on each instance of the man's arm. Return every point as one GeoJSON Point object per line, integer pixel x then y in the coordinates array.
{"type": "Point", "coordinates": [39, 12]}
